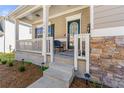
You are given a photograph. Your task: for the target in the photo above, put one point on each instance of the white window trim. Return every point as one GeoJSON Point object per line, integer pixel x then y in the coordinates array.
{"type": "Point", "coordinates": [71, 18]}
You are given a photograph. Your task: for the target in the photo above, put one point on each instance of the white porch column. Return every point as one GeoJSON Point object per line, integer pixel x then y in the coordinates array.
{"type": "Point", "coordinates": [4, 35]}
{"type": "Point", "coordinates": [16, 33]}
{"type": "Point", "coordinates": [92, 17]}
{"type": "Point", "coordinates": [33, 31]}
{"type": "Point", "coordinates": [45, 30]}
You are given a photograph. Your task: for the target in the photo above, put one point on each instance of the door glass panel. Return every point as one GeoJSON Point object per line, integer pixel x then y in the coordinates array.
{"type": "Point", "coordinates": [73, 28]}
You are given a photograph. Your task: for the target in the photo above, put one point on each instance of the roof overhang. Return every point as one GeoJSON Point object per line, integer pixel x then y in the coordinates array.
{"type": "Point", "coordinates": [23, 12]}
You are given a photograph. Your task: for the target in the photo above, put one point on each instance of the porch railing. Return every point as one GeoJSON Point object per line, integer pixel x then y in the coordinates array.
{"type": "Point", "coordinates": [35, 46]}
{"type": "Point", "coordinates": [81, 50]}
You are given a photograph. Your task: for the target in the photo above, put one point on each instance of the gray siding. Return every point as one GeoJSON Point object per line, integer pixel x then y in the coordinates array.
{"type": "Point", "coordinates": [108, 16]}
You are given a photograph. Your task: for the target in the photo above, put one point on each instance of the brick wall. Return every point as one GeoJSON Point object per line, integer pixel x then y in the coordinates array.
{"type": "Point", "coordinates": [107, 60]}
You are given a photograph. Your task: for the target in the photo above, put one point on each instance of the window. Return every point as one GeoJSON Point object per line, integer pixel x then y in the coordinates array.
{"type": "Point", "coordinates": [39, 31]}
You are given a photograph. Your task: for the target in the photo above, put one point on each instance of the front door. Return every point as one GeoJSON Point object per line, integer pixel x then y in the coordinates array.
{"type": "Point", "coordinates": [73, 28]}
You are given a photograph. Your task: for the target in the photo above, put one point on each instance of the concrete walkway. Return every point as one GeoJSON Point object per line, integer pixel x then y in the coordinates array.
{"type": "Point", "coordinates": [59, 75]}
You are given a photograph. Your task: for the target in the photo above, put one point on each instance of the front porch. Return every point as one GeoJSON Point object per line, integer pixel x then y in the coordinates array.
{"type": "Point", "coordinates": [65, 26]}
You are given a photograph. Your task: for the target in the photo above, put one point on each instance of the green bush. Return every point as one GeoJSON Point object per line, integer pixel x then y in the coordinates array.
{"type": "Point", "coordinates": [95, 84]}
{"type": "Point", "coordinates": [0, 61]}
{"type": "Point", "coordinates": [21, 68]}
{"type": "Point", "coordinates": [43, 68]}
{"type": "Point", "coordinates": [27, 62]}
{"type": "Point", "coordinates": [4, 62]}
{"type": "Point", "coordinates": [10, 64]}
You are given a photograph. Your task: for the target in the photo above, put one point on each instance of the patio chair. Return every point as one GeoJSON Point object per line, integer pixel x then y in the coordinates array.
{"type": "Point", "coordinates": [58, 45]}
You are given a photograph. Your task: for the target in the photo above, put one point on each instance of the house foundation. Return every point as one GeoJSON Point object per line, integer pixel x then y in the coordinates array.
{"type": "Point", "coordinates": [107, 60]}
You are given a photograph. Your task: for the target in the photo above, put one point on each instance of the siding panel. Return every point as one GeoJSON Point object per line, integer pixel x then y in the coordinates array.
{"type": "Point", "coordinates": [101, 8]}
{"type": "Point", "coordinates": [108, 16]}
{"type": "Point", "coordinates": [114, 11]}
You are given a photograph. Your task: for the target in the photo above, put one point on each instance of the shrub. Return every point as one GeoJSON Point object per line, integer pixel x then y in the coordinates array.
{"type": "Point", "coordinates": [95, 84]}
{"type": "Point", "coordinates": [43, 68]}
{"type": "Point", "coordinates": [4, 62]}
{"type": "Point", "coordinates": [21, 68]}
{"type": "Point", "coordinates": [0, 61]}
{"type": "Point", "coordinates": [10, 64]}
{"type": "Point", "coordinates": [28, 62]}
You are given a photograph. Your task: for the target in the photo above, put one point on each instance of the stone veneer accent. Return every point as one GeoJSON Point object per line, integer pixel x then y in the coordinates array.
{"type": "Point", "coordinates": [107, 60]}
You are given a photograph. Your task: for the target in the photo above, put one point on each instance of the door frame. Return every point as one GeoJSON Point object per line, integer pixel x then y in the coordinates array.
{"type": "Point", "coordinates": [72, 18]}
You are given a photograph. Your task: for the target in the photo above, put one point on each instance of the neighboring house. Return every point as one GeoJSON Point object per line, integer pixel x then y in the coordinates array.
{"type": "Point", "coordinates": [2, 38]}
{"type": "Point", "coordinates": [1, 26]}
{"type": "Point", "coordinates": [67, 23]}
{"type": "Point", "coordinates": [9, 32]}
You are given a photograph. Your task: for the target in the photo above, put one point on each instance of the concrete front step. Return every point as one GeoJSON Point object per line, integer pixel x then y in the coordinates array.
{"type": "Point", "coordinates": [64, 59]}
{"type": "Point", "coordinates": [62, 76]}
{"type": "Point", "coordinates": [48, 82]}
{"type": "Point", "coordinates": [59, 75]}
{"type": "Point", "coordinates": [62, 67]}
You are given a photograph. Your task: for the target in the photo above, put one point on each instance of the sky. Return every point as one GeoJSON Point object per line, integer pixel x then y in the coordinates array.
{"type": "Point", "coordinates": [6, 9]}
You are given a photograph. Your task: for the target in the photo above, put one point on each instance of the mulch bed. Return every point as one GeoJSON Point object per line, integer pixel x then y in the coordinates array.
{"type": "Point", "coordinates": [10, 77]}
{"type": "Point", "coordinates": [81, 83]}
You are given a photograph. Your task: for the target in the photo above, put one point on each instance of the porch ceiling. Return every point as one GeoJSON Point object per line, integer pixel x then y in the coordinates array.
{"type": "Point", "coordinates": [33, 14]}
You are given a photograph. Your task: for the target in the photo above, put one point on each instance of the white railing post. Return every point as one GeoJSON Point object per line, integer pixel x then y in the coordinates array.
{"type": "Point", "coordinates": [81, 50]}
{"type": "Point", "coordinates": [51, 50]}
{"type": "Point", "coordinates": [87, 52]}
{"type": "Point", "coordinates": [75, 51]}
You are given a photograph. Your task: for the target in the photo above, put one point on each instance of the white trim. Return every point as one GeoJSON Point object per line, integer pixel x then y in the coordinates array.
{"type": "Point", "coordinates": [61, 39]}
{"type": "Point", "coordinates": [28, 11]}
{"type": "Point", "coordinates": [25, 24]}
{"type": "Point", "coordinates": [114, 31]}
{"type": "Point", "coordinates": [92, 17]}
{"type": "Point", "coordinates": [37, 52]}
{"type": "Point", "coordinates": [65, 12]}
{"type": "Point", "coordinates": [69, 11]}
{"type": "Point", "coordinates": [71, 18]}
{"type": "Point", "coordinates": [17, 10]}
{"type": "Point", "coordinates": [41, 25]}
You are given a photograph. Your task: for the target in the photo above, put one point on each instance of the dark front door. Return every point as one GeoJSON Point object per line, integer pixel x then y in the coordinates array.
{"type": "Point", "coordinates": [73, 28]}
